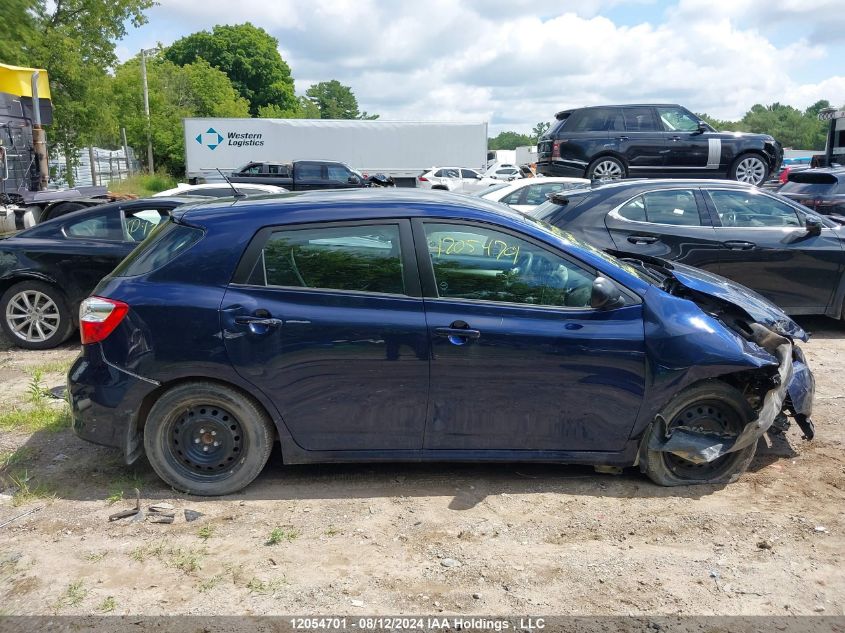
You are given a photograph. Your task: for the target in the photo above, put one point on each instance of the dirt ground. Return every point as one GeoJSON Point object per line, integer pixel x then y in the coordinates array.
{"type": "Point", "coordinates": [434, 538]}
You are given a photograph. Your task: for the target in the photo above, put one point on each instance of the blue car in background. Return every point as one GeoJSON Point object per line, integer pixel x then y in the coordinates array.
{"type": "Point", "coordinates": [404, 326]}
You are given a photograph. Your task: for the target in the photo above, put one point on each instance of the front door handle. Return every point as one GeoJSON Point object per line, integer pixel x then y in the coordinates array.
{"type": "Point", "coordinates": [642, 239]}
{"type": "Point", "coordinates": [458, 333]}
{"type": "Point", "coordinates": [676, 138]}
{"type": "Point", "coordinates": [621, 138]}
{"type": "Point", "coordinates": [739, 245]}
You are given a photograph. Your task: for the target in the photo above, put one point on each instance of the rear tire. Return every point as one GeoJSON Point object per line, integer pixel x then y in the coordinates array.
{"type": "Point", "coordinates": [713, 405]}
{"type": "Point", "coordinates": [63, 208]}
{"type": "Point", "coordinates": [606, 167]}
{"type": "Point", "coordinates": [750, 168]}
{"type": "Point", "coordinates": [207, 439]}
{"type": "Point", "coordinates": [35, 315]}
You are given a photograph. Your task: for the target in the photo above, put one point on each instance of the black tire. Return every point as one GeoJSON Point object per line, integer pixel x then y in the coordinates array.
{"type": "Point", "coordinates": [58, 315]}
{"type": "Point", "coordinates": [194, 416]}
{"type": "Point", "coordinates": [749, 167]}
{"type": "Point", "coordinates": [606, 167]}
{"type": "Point", "coordinates": [63, 208]}
{"type": "Point", "coordinates": [721, 405]}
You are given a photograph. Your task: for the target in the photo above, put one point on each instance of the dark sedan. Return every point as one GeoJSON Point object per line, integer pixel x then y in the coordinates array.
{"type": "Point", "coordinates": [822, 190]}
{"type": "Point", "coordinates": [47, 270]}
{"type": "Point", "coordinates": [771, 244]}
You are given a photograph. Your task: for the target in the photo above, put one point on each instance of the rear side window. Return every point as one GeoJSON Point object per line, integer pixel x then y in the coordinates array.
{"type": "Point", "coordinates": [676, 207]}
{"type": "Point", "coordinates": [640, 120]}
{"type": "Point", "coordinates": [356, 258]}
{"type": "Point", "coordinates": [166, 242]}
{"type": "Point", "coordinates": [309, 171]}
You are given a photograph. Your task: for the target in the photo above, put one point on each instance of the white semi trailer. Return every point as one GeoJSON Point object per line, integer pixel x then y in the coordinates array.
{"type": "Point", "coordinates": [400, 149]}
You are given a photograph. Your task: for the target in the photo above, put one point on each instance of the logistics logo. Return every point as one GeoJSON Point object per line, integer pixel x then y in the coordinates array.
{"type": "Point", "coordinates": [211, 138]}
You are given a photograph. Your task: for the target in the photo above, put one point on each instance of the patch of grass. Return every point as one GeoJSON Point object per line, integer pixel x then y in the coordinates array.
{"type": "Point", "coordinates": [28, 490]}
{"type": "Point", "coordinates": [37, 418]}
{"type": "Point", "coordinates": [16, 457]}
{"type": "Point", "coordinates": [37, 391]}
{"type": "Point", "coordinates": [282, 534]}
{"type": "Point", "coordinates": [265, 587]}
{"type": "Point", "coordinates": [206, 532]}
{"type": "Point", "coordinates": [208, 584]}
{"type": "Point", "coordinates": [332, 531]}
{"type": "Point", "coordinates": [108, 605]}
{"type": "Point", "coordinates": [95, 557]}
{"type": "Point", "coordinates": [53, 367]}
{"type": "Point", "coordinates": [187, 560]}
{"type": "Point", "coordinates": [143, 552]}
{"type": "Point", "coordinates": [143, 184]}
{"type": "Point", "coordinates": [114, 497]}
{"type": "Point", "coordinates": [74, 594]}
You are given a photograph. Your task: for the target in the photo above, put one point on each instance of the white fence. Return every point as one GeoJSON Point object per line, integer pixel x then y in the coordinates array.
{"type": "Point", "coordinates": [108, 165]}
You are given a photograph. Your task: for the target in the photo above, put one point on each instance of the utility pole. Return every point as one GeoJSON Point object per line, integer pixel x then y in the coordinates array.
{"type": "Point", "coordinates": [125, 152]}
{"type": "Point", "coordinates": [147, 110]}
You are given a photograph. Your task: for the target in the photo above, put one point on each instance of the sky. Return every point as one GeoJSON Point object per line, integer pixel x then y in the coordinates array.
{"type": "Point", "coordinates": [514, 63]}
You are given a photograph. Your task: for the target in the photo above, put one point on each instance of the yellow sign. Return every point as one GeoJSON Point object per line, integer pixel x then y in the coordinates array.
{"type": "Point", "coordinates": [17, 80]}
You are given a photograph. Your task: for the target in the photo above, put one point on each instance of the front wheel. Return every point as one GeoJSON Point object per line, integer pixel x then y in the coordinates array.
{"type": "Point", "coordinates": [207, 439]}
{"type": "Point", "coordinates": [750, 168]}
{"type": "Point", "coordinates": [606, 168]}
{"type": "Point", "coordinates": [711, 406]}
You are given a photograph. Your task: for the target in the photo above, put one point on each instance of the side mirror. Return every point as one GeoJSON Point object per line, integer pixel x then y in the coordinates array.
{"type": "Point", "coordinates": [702, 128]}
{"type": "Point", "coordinates": [478, 176]}
{"type": "Point", "coordinates": [605, 295]}
{"type": "Point", "coordinates": [813, 226]}
{"type": "Point", "coordinates": [353, 180]}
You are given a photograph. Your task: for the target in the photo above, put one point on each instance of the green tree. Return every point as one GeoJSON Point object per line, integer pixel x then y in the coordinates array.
{"type": "Point", "coordinates": [304, 109]}
{"type": "Point", "coordinates": [74, 40]}
{"type": "Point", "coordinates": [538, 130]}
{"type": "Point", "coordinates": [249, 56]}
{"type": "Point", "coordinates": [176, 92]}
{"type": "Point", "coordinates": [510, 140]}
{"type": "Point", "coordinates": [336, 101]}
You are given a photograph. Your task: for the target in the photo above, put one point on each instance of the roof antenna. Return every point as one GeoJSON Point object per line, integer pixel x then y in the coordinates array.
{"type": "Point", "coordinates": [238, 194]}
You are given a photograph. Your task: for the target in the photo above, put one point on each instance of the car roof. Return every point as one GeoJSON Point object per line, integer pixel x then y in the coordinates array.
{"type": "Point", "coordinates": [620, 105]}
{"type": "Point", "coordinates": [659, 183]}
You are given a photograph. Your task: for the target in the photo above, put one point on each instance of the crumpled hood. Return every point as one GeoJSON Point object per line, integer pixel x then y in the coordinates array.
{"type": "Point", "coordinates": [756, 306]}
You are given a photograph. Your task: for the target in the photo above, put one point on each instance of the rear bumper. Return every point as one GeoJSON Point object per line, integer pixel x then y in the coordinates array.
{"type": "Point", "coordinates": [105, 401]}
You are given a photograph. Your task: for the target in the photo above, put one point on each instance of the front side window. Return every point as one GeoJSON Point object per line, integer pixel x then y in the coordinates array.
{"type": "Point", "coordinates": [483, 264]}
{"type": "Point", "coordinates": [538, 194]}
{"type": "Point", "coordinates": [677, 207]}
{"type": "Point", "coordinates": [746, 209]}
{"type": "Point", "coordinates": [677, 120]}
{"type": "Point", "coordinates": [356, 258]}
{"type": "Point", "coordinates": [640, 120]}
{"type": "Point", "coordinates": [338, 172]}
{"type": "Point", "coordinates": [468, 173]}
{"type": "Point", "coordinates": [105, 226]}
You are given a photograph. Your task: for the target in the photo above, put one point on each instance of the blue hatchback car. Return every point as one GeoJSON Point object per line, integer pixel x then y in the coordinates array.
{"type": "Point", "coordinates": [405, 325]}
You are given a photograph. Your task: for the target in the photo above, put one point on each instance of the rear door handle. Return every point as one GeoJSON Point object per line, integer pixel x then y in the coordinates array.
{"type": "Point", "coordinates": [254, 320]}
{"type": "Point", "coordinates": [621, 138]}
{"type": "Point", "coordinates": [676, 138]}
{"type": "Point", "coordinates": [642, 239]}
{"type": "Point", "coordinates": [739, 245]}
{"type": "Point", "coordinates": [457, 331]}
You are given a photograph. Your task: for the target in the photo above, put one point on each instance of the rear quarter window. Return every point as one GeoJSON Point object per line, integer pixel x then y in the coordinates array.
{"type": "Point", "coordinates": [166, 242]}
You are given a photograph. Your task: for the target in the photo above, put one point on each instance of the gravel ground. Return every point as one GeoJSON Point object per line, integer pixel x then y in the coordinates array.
{"type": "Point", "coordinates": [431, 538]}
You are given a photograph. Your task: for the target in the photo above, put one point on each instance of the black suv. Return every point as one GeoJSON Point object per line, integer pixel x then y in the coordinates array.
{"type": "Point", "coordinates": [663, 140]}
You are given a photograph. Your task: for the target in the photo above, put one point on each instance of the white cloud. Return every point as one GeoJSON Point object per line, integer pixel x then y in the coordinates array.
{"type": "Point", "coordinates": [517, 62]}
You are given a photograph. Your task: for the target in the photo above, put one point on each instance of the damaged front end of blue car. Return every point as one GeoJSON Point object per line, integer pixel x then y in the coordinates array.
{"type": "Point", "coordinates": [710, 327]}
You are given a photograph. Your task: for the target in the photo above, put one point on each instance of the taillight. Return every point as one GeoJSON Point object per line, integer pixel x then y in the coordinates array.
{"type": "Point", "coordinates": [556, 149]}
{"type": "Point", "coordinates": [784, 176]}
{"type": "Point", "coordinates": [423, 179]}
{"type": "Point", "coordinates": [98, 317]}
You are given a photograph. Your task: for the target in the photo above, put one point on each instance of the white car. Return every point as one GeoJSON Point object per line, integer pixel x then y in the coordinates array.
{"type": "Point", "coordinates": [526, 193]}
{"type": "Point", "coordinates": [460, 179]}
{"type": "Point", "coordinates": [505, 173]}
{"type": "Point", "coordinates": [219, 190]}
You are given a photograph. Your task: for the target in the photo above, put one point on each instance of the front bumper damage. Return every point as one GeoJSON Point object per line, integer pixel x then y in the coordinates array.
{"type": "Point", "coordinates": [793, 393]}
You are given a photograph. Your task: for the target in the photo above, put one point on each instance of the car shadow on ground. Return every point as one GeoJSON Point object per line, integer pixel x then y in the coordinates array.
{"type": "Point", "coordinates": [69, 468]}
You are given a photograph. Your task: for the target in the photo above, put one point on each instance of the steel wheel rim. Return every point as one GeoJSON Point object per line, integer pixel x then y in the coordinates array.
{"type": "Point", "coordinates": [751, 170]}
{"type": "Point", "coordinates": [607, 169]}
{"type": "Point", "coordinates": [32, 316]}
{"type": "Point", "coordinates": [206, 441]}
{"type": "Point", "coordinates": [710, 416]}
